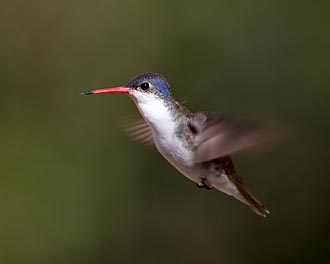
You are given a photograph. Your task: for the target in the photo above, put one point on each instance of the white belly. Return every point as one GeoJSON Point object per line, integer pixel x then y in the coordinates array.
{"type": "Point", "coordinates": [179, 157]}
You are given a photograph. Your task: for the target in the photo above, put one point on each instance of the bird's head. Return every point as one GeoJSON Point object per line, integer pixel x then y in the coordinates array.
{"type": "Point", "coordinates": [143, 88]}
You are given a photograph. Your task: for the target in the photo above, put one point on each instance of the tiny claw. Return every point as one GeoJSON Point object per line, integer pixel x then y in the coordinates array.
{"type": "Point", "coordinates": [203, 185]}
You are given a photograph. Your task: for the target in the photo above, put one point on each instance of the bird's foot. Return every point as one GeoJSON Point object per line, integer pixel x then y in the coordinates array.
{"type": "Point", "coordinates": [203, 184]}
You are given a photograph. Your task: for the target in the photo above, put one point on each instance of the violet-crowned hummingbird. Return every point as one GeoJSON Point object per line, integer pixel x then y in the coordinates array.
{"type": "Point", "coordinates": [196, 144]}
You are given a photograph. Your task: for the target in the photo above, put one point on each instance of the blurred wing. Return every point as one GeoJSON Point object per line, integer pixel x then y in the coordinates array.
{"type": "Point", "coordinates": [220, 136]}
{"type": "Point", "coordinates": [139, 130]}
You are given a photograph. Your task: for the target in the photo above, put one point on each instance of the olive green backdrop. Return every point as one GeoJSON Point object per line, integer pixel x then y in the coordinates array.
{"type": "Point", "coordinates": [75, 189]}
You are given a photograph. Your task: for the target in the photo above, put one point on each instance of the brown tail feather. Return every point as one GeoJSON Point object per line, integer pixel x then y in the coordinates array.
{"type": "Point", "coordinates": [251, 201]}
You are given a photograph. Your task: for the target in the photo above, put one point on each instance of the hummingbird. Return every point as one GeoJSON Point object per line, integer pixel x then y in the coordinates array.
{"type": "Point", "coordinates": [197, 144]}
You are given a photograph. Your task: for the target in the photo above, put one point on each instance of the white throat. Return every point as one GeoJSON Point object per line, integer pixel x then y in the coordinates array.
{"type": "Point", "coordinates": [155, 112]}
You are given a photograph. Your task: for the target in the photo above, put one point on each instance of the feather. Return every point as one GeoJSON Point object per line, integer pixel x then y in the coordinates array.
{"type": "Point", "coordinates": [139, 130]}
{"type": "Point", "coordinates": [221, 136]}
{"type": "Point", "coordinates": [229, 169]}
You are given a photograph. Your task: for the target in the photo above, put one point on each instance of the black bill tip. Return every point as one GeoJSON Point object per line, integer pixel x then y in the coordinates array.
{"type": "Point", "coordinates": [87, 93]}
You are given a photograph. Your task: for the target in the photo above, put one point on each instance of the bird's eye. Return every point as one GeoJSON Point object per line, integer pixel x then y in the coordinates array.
{"type": "Point", "coordinates": [144, 86]}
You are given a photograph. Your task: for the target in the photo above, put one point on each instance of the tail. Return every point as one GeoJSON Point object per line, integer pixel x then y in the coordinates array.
{"type": "Point", "coordinates": [254, 204]}
{"type": "Point", "coordinates": [242, 193]}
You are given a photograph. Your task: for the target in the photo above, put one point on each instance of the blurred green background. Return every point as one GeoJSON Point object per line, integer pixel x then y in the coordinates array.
{"type": "Point", "coordinates": [75, 189]}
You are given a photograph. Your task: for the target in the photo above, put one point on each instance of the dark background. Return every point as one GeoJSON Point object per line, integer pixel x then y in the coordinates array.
{"type": "Point", "coordinates": [75, 189]}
